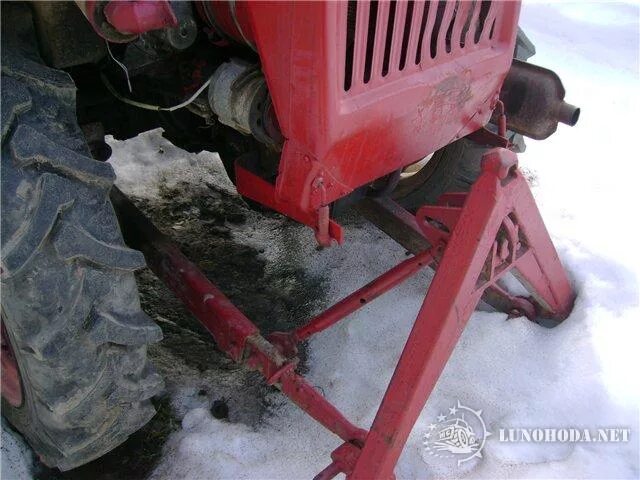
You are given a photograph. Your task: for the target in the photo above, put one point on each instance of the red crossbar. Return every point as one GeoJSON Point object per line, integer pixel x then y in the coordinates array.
{"type": "Point", "coordinates": [476, 240]}
{"type": "Point", "coordinates": [364, 295]}
{"type": "Point", "coordinates": [287, 341]}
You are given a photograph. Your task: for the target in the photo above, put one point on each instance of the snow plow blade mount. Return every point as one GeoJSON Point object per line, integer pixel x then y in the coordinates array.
{"type": "Point", "coordinates": [476, 240]}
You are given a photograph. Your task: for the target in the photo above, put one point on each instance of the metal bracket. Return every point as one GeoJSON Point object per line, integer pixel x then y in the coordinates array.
{"type": "Point", "coordinates": [259, 190]}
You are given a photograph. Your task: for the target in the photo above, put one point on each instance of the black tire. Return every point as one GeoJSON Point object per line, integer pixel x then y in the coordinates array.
{"type": "Point", "coordinates": [69, 298]}
{"type": "Point", "coordinates": [453, 168]}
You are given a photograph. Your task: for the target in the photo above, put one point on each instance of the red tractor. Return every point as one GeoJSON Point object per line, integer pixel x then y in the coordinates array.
{"type": "Point", "coordinates": [407, 111]}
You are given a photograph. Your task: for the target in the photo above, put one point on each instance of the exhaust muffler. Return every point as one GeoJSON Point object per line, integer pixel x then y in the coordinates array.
{"type": "Point", "coordinates": [534, 101]}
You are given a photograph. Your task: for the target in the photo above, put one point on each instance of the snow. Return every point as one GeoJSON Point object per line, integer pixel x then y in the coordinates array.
{"type": "Point", "coordinates": [16, 459]}
{"type": "Point", "coordinates": [580, 374]}
{"type": "Point", "coordinates": [149, 160]}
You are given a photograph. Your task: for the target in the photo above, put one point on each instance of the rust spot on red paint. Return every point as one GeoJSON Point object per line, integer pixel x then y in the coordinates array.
{"type": "Point", "coordinates": [446, 99]}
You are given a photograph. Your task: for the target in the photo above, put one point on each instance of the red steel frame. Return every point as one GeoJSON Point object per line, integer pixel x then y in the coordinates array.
{"type": "Point", "coordinates": [476, 238]}
{"type": "Point", "coordinates": [338, 139]}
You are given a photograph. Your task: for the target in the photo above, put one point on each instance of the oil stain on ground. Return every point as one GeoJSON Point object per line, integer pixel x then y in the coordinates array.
{"type": "Point", "coordinates": [276, 295]}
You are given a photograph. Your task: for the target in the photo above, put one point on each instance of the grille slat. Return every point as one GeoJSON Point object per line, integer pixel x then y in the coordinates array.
{"type": "Point", "coordinates": [491, 17]}
{"type": "Point", "coordinates": [437, 28]}
{"type": "Point", "coordinates": [398, 34]}
{"type": "Point", "coordinates": [352, 8]}
{"type": "Point", "coordinates": [462, 17]}
{"type": "Point", "coordinates": [392, 38]}
{"type": "Point", "coordinates": [466, 37]}
{"type": "Point", "coordinates": [444, 34]}
{"type": "Point", "coordinates": [425, 56]}
{"type": "Point", "coordinates": [372, 29]}
{"type": "Point", "coordinates": [388, 41]}
{"type": "Point", "coordinates": [414, 36]}
{"type": "Point", "coordinates": [380, 39]}
{"type": "Point", "coordinates": [470, 40]}
{"type": "Point", "coordinates": [482, 17]}
{"type": "Point", "coordinates": [406, 33]}
{"type": "Point", "coordinates": [360, 49]}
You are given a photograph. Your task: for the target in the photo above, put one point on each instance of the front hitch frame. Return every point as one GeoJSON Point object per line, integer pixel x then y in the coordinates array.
{"type": "Point", "coordinates": [472, 241]}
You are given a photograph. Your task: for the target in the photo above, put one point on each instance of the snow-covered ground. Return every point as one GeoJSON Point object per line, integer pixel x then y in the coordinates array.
{"type": "Point", "coordinates": [582, 374]}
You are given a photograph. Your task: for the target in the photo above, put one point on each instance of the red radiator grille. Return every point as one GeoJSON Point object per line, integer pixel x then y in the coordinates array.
{"type": "Point", "coordinates": [386, 38]}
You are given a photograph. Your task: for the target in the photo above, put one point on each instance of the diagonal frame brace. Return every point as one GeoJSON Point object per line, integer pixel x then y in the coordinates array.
{"type": "Point", "coordinates": [500, 194]}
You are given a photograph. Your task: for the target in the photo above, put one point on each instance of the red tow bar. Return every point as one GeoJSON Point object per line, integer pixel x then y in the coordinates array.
{"type": "Point", "coordinates": [476, 239]}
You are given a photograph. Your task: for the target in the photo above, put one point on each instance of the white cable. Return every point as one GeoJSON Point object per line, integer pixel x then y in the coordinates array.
{"type": "Point", "coordinates": [147, 106]}
{"type": "Point", "coordinates": [190, 99]}
{"type": "Point", "coordinates": [122, 65]}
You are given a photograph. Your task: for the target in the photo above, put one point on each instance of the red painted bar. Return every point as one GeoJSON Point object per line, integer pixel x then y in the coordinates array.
{"type": "Point", "coordinates": [364, 295]}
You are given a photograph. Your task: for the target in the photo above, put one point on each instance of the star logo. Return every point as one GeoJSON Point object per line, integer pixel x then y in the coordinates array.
{"type": "Point", "coordinates": [461, 434]}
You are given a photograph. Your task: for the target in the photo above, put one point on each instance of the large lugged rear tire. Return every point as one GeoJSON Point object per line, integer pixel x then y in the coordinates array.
{"type": "Point", "coordinates": [70, 303]}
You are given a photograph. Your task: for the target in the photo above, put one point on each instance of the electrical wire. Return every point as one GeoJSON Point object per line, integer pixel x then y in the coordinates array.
{"type": "Point", "coordinates": [121, 65]}
{"type": "Point", "coordinates": [147, 106]}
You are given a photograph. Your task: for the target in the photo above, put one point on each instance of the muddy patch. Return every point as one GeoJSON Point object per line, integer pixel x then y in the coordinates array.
{"type": "Point", "coordinates": [234, 246]}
